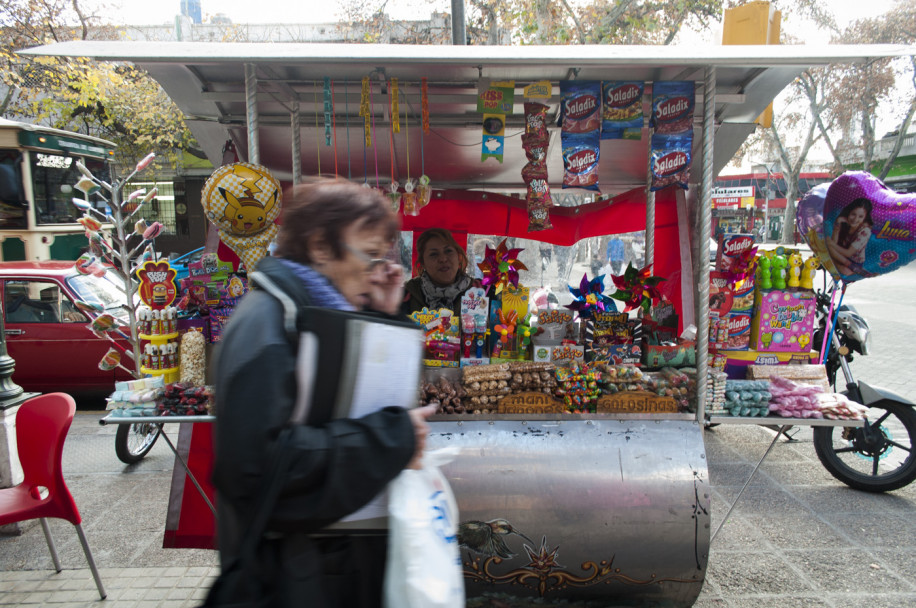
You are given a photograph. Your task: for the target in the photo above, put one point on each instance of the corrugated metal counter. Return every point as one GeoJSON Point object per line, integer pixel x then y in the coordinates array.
{"type": "Point", "coordinates": [591, 508]}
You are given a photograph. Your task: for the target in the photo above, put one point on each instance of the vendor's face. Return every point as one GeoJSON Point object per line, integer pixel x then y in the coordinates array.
{"type": "Point", "coordinates": [441, 261]}
{"type": "Point", "coordinates": [351, 273]}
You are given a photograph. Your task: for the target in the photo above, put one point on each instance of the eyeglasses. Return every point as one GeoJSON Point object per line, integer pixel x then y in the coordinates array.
{"type": "Point", "coordinates": [372, 263]}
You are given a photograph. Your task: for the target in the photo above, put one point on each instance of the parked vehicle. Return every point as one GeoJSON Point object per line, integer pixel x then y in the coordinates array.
{"type": "Point", "coordinates": [180, 263]}
{"type": "Point", "coordinates": [876, 457]}
{"type": "Point", "coordinates": [50, 339]}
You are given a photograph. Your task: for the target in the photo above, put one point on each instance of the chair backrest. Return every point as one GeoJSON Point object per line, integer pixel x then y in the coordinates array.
{"type": "Point", "coordinates": [42, 424]}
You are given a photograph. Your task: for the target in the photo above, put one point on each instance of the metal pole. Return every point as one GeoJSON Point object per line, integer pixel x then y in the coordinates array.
{"type": "Point", "coordinates": [649, 253]}
{"type": "Point", "coordinates": [459, 34]}
{"type": "Point", "coordinates": [251, 113]}
{"type": "Point", "coordinates": [703, 222]}
{"type": "Point", "coordinates": [297, 145]}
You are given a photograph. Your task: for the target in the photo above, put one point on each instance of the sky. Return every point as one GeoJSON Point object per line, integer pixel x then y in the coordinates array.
{"type": "Point", "coordinates": [143, 12]}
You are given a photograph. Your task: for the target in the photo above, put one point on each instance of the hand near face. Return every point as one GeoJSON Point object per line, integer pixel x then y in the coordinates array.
{"type": "Point", "coordinates": [387, 288]}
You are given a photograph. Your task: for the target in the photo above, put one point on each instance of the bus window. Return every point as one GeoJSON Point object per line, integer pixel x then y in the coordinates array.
{"type": "Point", "coordinates": [13, 204]}
{"type": "Point", "coordinates": [53, 177]}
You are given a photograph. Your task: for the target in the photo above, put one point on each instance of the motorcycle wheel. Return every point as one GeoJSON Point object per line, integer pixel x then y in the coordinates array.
{"type": "Point", "coordinates": [878, 457]}
{"type": "Point", "coordinates": [134, 441]}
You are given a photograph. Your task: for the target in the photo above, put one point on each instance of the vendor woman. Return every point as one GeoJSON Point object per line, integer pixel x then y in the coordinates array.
{"type": "Point", "coordinates": [442, 274]}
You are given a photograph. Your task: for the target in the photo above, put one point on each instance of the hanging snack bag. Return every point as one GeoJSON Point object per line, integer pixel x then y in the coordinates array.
{"type": "Point", "coordinates": [670, 161]}
{"type": "Point", "coordinates": [580, 106]}
{"type": "Point", "coordinates": [621, 110]}
{"type": "Point", "coordinates": [672, 108]}
{"type": "Point", "coordinates": [580, 161]}
{"type": "Point", "coordinates": [536, 119]}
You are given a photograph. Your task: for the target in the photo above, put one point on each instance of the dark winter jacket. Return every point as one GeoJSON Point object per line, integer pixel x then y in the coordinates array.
{"type": "Point", "coordinates": [335, 469]}
{"type": "Point", "coordinates": [414, 299]}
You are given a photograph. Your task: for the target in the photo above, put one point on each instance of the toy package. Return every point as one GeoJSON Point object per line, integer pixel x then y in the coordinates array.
{"type": "Point", "coordinates": [615, 339]}
{"type": "Point", "coordinates": [784, 321]}
{"type": "Point", "coordinates": [474, 308]}
{"type": "Point", "coordinates": [441, 336]}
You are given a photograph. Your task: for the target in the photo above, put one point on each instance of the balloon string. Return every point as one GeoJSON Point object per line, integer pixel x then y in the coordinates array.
{"type": "Point", "coordinates": [375, 134]}
{"type": "Point", "coordinates": [825, 346]}
{"type": "Point", "coordinates": [347, 122]}
{"type": "Point", "coordinates": [334, 127]}
{"type": "Point", "coordinates": [317, 138]}
{"type": "Point", "coordinates": [407, 137]}
{"type": "Point", "coordinates": [422, 153]}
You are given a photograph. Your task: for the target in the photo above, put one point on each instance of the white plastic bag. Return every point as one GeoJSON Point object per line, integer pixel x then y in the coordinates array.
{"type": "Point", "coordinates": [424, 562]}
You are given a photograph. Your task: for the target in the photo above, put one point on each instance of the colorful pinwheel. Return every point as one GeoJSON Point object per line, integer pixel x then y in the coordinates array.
{"type": "Point", "coordinates": [636, 288]}
{"type": "Point", "coordinates": [525, 333]}
{"type": "Point", "coordinates": [743, 266]}
{"type": "Point", "coordinates": [500, 267]}
{"type": "Point", "coordinates": [506, 326]}
{"type": "Point", "coordinates": [589, 298]}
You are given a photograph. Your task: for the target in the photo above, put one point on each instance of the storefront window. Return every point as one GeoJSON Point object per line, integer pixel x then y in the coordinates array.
{"type": "Point", "coordinates": [53, 180]}
{"type": "Point", "coordinates": [13, 204]}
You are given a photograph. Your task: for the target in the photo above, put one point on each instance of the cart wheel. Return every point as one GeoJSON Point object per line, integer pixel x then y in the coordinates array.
{"type": "Point", "coordinates": [878, 457]}
{"type": "Point", "coordinates": [134, 441]}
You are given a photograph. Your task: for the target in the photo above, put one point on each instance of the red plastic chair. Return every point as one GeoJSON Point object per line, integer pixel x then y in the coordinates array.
{"type": "Point", "coordinates": [41, 428]}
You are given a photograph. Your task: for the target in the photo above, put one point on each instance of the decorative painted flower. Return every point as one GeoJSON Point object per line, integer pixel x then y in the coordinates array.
{"type": "Point", "coordinates": [589, 298]}
{"type": "Point", "coordinates": [500, 267]}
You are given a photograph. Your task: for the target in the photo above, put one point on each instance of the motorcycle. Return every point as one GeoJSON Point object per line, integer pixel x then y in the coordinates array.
{"type": "Point", "coordinates": [878, 456]}
{"type": "Point", "coordinates": [134, 441]}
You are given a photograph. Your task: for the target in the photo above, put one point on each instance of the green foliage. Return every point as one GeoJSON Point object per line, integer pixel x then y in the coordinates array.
{"type": "Point", "coordinates": [114, 101]}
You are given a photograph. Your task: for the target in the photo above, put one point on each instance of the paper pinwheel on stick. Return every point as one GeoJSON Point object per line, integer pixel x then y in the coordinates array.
{"type": "Point", "coordinates": [500, 267]}
{"type": "Point", "coordinates": [590, 299]}
{"type": "Point", "coordinates": [636, 288]}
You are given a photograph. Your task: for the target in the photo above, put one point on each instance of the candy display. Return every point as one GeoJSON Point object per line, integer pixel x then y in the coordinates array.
{"type": "Point", "coordinates": [448, 397]}
{"type": "Point", "coordinates": [747, 397]}
{"type": "Point", "coordinates": [192, 359]}
{"type": "Point", "coordinates": [532, 376]}
{"type": "Point", "coordinates": [578, 387]}
{"type": "Point", "coordinates": [534, 174]}
{"type": "Point", "coordinates": [184, 399]}
{"type": "Point", "coordinates": [486, 384]}
{"type": "Point", "coordinates": [791, 400]}
{"type": "Point", "coordinates": [715, 393]}
{"type": "Point", "coordinates": [783, 321]}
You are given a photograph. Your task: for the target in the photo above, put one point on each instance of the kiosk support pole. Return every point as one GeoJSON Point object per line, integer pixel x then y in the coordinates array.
{"type": "Point", "coordinates": [703, 220]}
{"type": "Point", "coordinates": [251, 113]}
{"type": "Point", "coordinates": [649, 253]}
{"type": "Point", "coordinates": [297, 145]}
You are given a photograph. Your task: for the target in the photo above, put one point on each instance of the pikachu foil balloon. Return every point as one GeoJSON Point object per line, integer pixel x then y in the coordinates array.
{"type": "Point", "coordinates": [243, 200]}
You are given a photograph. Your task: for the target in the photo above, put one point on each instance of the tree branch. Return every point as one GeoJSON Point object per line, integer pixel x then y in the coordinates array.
{"type": "Point", "coordinates": [575, 19]}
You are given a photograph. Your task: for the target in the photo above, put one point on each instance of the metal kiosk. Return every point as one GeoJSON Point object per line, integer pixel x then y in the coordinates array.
{"type": "Point", "coordinates": [585, 509]}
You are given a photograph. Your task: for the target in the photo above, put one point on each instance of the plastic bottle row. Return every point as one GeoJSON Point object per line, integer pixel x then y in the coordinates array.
{"type": "Point", "coordinates": [155, 322]}
{"type": "Point", "coordinates": [160, 356]}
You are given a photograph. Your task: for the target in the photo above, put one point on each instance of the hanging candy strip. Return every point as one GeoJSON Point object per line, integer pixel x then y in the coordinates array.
{"type": "Point", "coordinates": [395, 110]}
{"type": "Point", "coordinates": [375, 148]}
{"type": "Point", "coordinates": [317, 144]}
{"type": "Point", "coordinates": [500, 267]}
{"type": "Point", "coordinates": [334, 123]}
{"type": "Point", "coordinates": [364, 111]}
{"type": "Point", "coordinates": [424, 104]}
{"type": "Point", "coordinates": [327, 111]}
{"type": "Point", "coordinates": [636, 288]}
{"type": "Point", "coordinates": [589, 298]}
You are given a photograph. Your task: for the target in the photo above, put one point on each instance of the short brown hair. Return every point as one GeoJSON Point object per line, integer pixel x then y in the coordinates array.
{"type": "Point", "coordinates": [446, 236]}
{"type": "Point", "coordinates": [325, 208]}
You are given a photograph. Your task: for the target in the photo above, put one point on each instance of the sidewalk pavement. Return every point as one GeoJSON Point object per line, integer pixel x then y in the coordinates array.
{"type": "Point", "coordinates": [797, 537]}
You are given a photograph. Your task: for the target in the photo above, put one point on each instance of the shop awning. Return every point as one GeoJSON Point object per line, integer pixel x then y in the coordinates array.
{"type": "Point", "coordinates": [207, 81]}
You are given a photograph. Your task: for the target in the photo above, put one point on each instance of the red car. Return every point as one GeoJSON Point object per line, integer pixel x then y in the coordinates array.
{"type": "Point", "coordinates": [49, 337]}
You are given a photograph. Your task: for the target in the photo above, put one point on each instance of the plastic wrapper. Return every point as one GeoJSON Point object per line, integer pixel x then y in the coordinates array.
{"type": "Point", "coordinates": [580, 106]}
{"type": "Point", "coordinates": [621, 110]}
{"type": "Point", "coordinates": [580, 161]}
{"type": "Point", "coordinates": [673, 107]}
{"type": "Point", "coordinates": [670, 161]}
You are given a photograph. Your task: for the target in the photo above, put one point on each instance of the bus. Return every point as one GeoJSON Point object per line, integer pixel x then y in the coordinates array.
{"type": "Point", "coordinates": [38, 173]}
{"type": "Point", "coordinates": [756, 202]}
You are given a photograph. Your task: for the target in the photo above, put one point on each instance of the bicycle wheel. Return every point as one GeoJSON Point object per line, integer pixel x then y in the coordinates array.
{"type": "Point", "coordinates": [134, 441]}
{"type": "Point", "coordinates": [878, 457]}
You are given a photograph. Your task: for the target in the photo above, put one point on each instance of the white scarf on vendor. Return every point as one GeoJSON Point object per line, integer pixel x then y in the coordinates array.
{"type": "Point", "coordinates": [443, 297]}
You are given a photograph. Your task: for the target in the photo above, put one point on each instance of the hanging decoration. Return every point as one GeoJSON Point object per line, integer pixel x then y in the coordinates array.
{"type": "Point", "coordinates": [589, 298]}
{"type": "Point", "coordinates": [395, 109]}
{"type": "Point", "coordinates": [243, 201]}
{"type": "Point", "coordinates": [424, 104]}
{"type": "Point", "coordinates": [494, 101]}
{"type": "Point", "coordinates": [500, 267]}
{"type": "Point", "coordinates": [394, 197]}
{"type": "Point", "coordinates": [636, 288]}
{"type": "Point", "coordinates": [328, 111]}
{"type": "Point", "coordinates": [364, 111]}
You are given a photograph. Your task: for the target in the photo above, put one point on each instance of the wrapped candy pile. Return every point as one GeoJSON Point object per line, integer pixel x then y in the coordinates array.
{"type": "Point", "coordinates": [184, 399]}
{"type": "Point", "coordinates": [675, 383]}
{"type": "Point", "coordinates": [796, 400]}
{"type": "Point", "coordinates": [578, 387]}
{"type": "Point", "coordinates": [747, 397]}
{"type": "Point", "coordinates": [715, 393]}
{"type": "Point", "coordinates": [617, 378]}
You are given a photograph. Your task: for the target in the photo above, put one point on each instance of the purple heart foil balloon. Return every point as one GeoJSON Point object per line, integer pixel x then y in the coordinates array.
{"type": "Point", "coordinates": [809, 219]}
{"type": "Point", "coordinates": [868, 228]}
